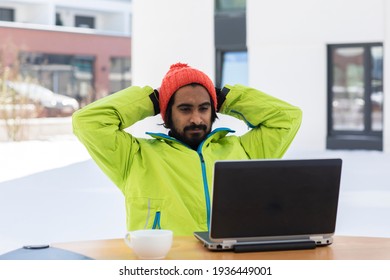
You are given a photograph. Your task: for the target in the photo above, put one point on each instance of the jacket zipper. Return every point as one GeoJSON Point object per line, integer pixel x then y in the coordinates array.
{"type": "Point", "coordinates": [205, 188]}
{"type": "Point", "coordinates": [203, 166]}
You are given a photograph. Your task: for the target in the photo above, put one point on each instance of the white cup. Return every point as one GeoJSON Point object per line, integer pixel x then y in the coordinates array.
{"type": "Point", "coordinates": [150, 243]}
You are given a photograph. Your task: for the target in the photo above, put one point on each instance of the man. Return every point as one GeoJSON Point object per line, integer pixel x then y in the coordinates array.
{"type": "Point", "coordinates": [166, 180]}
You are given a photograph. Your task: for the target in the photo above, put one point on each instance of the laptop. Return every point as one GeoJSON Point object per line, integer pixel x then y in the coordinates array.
{"type": "Point", "coordinates": [264, 205]}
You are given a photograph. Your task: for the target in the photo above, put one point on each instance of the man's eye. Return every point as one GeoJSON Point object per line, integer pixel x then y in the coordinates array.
{"type": "Point", "coordinates": [185, 109]}
{"type": "Point", "coordinates": [203, 109]}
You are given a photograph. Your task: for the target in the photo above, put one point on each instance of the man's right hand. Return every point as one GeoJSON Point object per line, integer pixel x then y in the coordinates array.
{"type": "Point", "coordinates": [154, 98]}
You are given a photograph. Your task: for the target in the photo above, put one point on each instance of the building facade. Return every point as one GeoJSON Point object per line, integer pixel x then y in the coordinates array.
{"type": "Point", "coordinates": [327, 57]}
{"type": "Point", "coordinates": [77, 48]}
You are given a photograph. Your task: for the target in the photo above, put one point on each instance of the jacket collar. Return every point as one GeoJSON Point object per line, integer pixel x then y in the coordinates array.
{"type": "Point", "coordinates": [214, 135]}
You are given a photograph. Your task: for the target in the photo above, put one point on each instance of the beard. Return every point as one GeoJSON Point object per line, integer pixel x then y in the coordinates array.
{"type": "Point", "coordinates": [193, 139]}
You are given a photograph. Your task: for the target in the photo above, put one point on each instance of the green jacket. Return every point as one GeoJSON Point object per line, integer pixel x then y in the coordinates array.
{"type": "Point", "coordinates": [165, 183]}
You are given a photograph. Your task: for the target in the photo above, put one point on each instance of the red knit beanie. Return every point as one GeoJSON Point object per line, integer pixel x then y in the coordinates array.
{"type": "Point", "coordinates": [180, 75]}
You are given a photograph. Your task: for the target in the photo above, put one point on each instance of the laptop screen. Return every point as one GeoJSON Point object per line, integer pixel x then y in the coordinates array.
{"type": "Point", "coordinates": [259, 198]}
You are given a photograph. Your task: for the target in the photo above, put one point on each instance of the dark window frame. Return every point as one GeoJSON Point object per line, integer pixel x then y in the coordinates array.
{"type": "Point", "coordinates": [219, 61]}
{"type": "Point", "coordinates": [366, 139]}
{"type": "Point", "coordinates": [124, 64]}
{"type": "Point", "coordinates": [221, 7]}
{"type": "Point", "coordinates": [229, 36]}
{"type": "Point", "coordinates": [7, 14]}
{"type": "Point", "coordinates": [80, 21]}
{"type": "Point", "coordinates": [50, 63]}
{"type": "Point", "coordinates": [59, 21]}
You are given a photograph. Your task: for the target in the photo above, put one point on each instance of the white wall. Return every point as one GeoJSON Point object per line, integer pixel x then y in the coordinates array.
{"type": "Point", "coordinates": [170, 31]}
{"type": "Point", "coordinates": [39, 13]}
{"type": "Point", "coordinates": [287, 51]}
{"type": "Point", "coordinates": [166, 32]}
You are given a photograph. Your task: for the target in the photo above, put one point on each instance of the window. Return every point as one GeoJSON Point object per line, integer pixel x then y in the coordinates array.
{"type": "Point", "coordinates": [65, 74]}
{"type": "Point", "coordinates": [85, 21]}
{"type": "Point", "coordinates": [234, 68]}
{"type": "Point", "coordinates": [230, 42]}
{"type": "Point", "coordinates": [355, 94]}
{"type": "Point", "coordinates": [7, 14]}
{"type": "Point", "coordinates": [120, 73]}
{"type": "Point", "coordinates": [59, 21]}
{"type": "Point", "coordinates": [230, 5]}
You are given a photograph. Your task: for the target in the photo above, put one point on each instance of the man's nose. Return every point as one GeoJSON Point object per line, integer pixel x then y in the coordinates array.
{"type": "Point", "coordinates": [196, 117]}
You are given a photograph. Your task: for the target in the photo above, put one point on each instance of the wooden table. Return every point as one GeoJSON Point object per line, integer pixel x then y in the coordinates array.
{"type": "Point", "coordinates": [189, 248]}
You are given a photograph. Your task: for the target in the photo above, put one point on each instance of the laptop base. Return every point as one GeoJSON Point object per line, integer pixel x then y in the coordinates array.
{"type": "Point", "coordinates": [275, 245]}
{"type": "Point", "coordinates": [302, 245]}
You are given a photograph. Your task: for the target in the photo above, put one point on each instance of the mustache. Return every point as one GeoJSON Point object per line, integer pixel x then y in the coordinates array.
{"type": "Point", "coordinates": [195, 126]}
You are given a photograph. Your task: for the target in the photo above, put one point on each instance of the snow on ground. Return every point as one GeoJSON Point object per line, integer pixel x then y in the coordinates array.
{"type": "Point", "coordinates": [24, 158]}
{"type": "Point", "coordinates": [51, 191]}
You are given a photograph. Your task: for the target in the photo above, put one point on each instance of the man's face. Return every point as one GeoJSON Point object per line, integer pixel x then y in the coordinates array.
{"type": "Point", "coordinates": [191, 115]}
